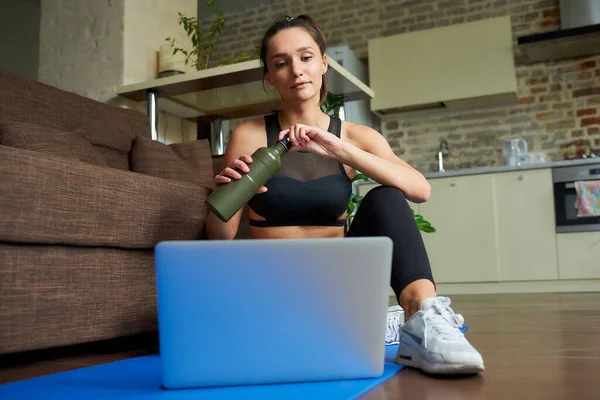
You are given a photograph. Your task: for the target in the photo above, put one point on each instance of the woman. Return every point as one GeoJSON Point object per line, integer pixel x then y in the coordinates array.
{"type": "Point", "coordinates": [309, 196]}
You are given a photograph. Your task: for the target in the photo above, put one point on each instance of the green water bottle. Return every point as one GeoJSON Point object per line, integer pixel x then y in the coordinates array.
{"type": "Point", "coordinates": [228, 198]}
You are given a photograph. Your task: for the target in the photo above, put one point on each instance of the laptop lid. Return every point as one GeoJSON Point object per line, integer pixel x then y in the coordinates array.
{"type": "Point", "coordinates": [267, 311]}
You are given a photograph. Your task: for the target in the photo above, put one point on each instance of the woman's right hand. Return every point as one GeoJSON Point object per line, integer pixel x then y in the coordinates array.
{"type": "Point", "coordinates": [232, 172]}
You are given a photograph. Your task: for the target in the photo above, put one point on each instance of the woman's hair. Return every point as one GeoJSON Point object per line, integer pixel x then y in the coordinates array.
{"type": "Point", "coordinates": [305, 22]}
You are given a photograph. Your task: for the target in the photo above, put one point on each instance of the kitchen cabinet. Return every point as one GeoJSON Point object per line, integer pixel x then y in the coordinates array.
{"type": "Point", "coordinates": [460, 66]}
{"type": "Point", "coordinates": [463, 248]}
{"type": "Point", "coordinates": [492, 227]}
{"type": "Point", "coordinates": [496, 232]}
{"type": "Point", "coordinates": [579, 255]}
{"type": "Point", "coordinates": [525, 227]}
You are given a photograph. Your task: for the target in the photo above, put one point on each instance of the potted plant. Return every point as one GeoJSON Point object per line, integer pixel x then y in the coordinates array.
{"type": "Point", "coordinates": [203, 43]}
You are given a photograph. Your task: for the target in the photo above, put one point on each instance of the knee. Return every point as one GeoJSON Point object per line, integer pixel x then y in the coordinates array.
{"type": "Point", "coordinates": [384, 195]}
{"type": "Point", "coordinates": [386, 200]}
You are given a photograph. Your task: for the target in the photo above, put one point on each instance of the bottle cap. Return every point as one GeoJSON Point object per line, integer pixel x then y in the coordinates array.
{"type": "Point", "coordinates": [286, 142]}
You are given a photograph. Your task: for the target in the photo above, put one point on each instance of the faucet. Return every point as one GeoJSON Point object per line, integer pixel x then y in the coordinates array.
{"type": "Point", "coordinates": [443, 146]}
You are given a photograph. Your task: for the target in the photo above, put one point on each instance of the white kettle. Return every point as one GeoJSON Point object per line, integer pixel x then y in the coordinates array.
{"type": "Point", "coordinates": [514, 150]}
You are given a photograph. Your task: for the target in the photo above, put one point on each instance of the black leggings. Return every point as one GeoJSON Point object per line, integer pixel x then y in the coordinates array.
{"type": "Point", "coordinates": [385, 212]}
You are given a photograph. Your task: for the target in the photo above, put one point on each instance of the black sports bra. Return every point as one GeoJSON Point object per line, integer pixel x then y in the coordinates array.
{"type": "Point", "coordinates": [307, 190]}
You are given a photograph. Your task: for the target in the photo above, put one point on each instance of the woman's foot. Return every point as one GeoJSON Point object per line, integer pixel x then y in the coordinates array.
{"type": "Point", "coordinates": [432, 341]}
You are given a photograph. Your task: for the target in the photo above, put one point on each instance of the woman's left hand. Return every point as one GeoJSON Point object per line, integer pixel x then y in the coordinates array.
{"type": "Point", "coordinates": [315, 140]}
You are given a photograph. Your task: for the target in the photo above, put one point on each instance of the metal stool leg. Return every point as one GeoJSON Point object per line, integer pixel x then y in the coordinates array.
{"type": "Point", "coordinates": [151, 97]}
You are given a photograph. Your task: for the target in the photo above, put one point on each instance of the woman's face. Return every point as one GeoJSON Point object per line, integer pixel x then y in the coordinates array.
{"type": "Point", "coordinates": [295, 65]}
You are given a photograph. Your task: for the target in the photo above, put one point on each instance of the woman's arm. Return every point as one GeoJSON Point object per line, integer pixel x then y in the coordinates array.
{"type": "Point", "coordinates": [242, 142]}
{"type": "Point", "coordinates": [368, 152]}
{"type": "Point", "coordinates": [365, 150]}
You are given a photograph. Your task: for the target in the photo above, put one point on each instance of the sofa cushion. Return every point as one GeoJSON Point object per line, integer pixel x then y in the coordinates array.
{"type": "Point", "coordinates": [52, 200]}
{"type": "Point", "coordinates": [107, 126]}
{"type": "Point", "coordinates": [28, 136]}
{"type": "Point", "coordinates": [189, 162]}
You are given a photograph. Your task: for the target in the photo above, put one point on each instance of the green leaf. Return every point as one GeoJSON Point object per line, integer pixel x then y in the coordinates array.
{"type": "Point", "coordinates": [360, 176]}
{"type": "Point", "coordinates": [333, 102]}
{"type": "Point", "coordinates": [355, 198]}
{"type": "Point", "coordinates": [427, 229]}
{"type": "Point", "coordinates": [351, 208]}
{"type": "Point", "coordinates": [336, 104]}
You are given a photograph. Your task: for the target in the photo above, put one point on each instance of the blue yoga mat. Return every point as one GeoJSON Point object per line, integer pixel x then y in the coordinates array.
{"type": "Point", "coordinates": [139, 378]}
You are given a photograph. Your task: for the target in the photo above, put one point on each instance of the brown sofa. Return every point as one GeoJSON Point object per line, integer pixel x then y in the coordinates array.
{"type": "Point", "coordinates": [85, 195]}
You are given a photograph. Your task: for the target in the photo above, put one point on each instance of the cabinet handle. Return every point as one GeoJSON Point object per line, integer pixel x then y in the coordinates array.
{"type": "Point", "coordinates": [520, 177]}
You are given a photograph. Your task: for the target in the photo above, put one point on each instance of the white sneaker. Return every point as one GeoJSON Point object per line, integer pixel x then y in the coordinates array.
{"type": "Point", "coordinates": [395, 318]}
{"type": "Point", "coordinates": [432, 341]}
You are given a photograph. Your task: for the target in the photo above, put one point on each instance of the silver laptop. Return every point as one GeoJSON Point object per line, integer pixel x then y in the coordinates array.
{"type": "Point", "coordinates": [244, 312]}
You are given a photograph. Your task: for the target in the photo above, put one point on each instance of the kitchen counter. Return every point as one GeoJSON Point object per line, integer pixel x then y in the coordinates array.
{"type": "Point", "coordinates": [502, 168]}
{"type": "Point", "coordinates": [508, 168]}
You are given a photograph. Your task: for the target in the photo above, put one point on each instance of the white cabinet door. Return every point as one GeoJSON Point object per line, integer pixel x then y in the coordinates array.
{"type": "Point", "coordinates": [464, 247]}
{"type": "Point", "coordinates": [579, 255]}
{"type": "Point", "coordinates": [525, 225]}
{"type": "Point", "coordinates": [414, 72]}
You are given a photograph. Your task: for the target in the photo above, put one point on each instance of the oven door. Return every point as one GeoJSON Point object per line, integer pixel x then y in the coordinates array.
{"type": "Point", "coordinates": [565, 196]}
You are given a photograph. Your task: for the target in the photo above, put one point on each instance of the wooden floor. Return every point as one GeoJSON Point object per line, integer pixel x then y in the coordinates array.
{"type": "Point", "coordinates": [535, 346]}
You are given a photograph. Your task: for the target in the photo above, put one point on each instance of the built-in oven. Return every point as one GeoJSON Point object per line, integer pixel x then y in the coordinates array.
{"type": "Point", "coordinates": [565, 196]}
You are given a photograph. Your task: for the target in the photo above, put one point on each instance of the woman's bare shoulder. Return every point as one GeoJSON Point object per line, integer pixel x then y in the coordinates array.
{"type": "Point", "coordinates": [252, 130]}
{"type": "Point", "coordinates": [358, 134]}
{"type": "Point", "coordinates": [247, 137]}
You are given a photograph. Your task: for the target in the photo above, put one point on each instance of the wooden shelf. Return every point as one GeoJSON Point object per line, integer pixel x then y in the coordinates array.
{"type": "Point", "coordinates": [232, 91]}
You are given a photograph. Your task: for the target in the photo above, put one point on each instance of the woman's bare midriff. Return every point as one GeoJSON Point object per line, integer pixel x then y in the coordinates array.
{"type": "Point", "coordinates": [293, 232]}
{"type": "Point", "coordinates": [296, 232]}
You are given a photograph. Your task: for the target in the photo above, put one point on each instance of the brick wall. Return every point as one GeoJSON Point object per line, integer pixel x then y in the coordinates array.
{"type": "Point", "coordinates": [558, 111]}
{"type": "Point", "coordinates": [557, 115]}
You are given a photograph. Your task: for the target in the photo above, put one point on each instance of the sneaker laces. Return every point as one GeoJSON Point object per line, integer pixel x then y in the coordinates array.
{"type": "Point", "coordinates": [392, 331]}
{"type": "Point", "coordinates": [443, 320]}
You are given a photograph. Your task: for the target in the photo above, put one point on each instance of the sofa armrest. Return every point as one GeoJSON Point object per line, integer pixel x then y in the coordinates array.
{"type": "Point", "coordinates": [51, 200]}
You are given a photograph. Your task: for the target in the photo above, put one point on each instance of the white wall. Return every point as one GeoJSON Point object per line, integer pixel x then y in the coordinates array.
{"type": "Point", "coordinates": [81, 46]}
{"type": "Point", "coordinates": [91, 47]}
{"type": "Point", "coordinates": [147, 24]}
